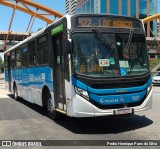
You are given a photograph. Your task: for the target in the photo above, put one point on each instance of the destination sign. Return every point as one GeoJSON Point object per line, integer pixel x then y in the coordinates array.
{"type": "Point", "coordinates": [106, 22]}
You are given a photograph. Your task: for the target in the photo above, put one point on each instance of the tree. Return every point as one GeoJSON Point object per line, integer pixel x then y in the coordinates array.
{"type": "Point", "coordinates": [1, 61]}
{"type": "Point", "coordinates": [39, 29]}
{"type": "Point", "coordinates": [1, 65]}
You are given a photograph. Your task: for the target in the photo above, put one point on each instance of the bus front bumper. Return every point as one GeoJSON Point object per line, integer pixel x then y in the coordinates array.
{"type": "Point", "coordinates": [83, 108]}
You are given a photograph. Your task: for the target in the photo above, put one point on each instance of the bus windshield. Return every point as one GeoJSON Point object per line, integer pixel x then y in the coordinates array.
{"type": "Point", "coordinates": [121, 57]}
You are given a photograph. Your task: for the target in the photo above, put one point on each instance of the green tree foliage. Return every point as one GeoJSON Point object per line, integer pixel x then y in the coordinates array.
{"type": "Point", "coordinates": [154, 62]}
{"type": "Point", "coordinates": [1, 61]}
{"type": "Point", "coordinates": [1, 65]}
{"type": "Point", "coordinates": [39, 29]}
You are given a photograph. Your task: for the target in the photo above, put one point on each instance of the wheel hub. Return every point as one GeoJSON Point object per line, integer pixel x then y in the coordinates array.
{"type": "Point", "coordinates": [50, 104]}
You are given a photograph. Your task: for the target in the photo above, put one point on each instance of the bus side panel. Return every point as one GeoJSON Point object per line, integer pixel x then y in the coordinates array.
{"type": "Point", "coordinates": [6, 79]}
{"type": "Point", "coordinates": [7, 71]}
{"type": "Point", "coordinates": [25, 79]}
{"type": "Point", "coordinates": [38, 78]}
{"type": "Point", "coordinates": [30, 82]}
{"type": "Point", "coordinates": [17, 78]}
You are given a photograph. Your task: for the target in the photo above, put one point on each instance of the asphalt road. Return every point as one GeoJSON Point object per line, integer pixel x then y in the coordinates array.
{"type": "Point", "coordinates": [22, 120]}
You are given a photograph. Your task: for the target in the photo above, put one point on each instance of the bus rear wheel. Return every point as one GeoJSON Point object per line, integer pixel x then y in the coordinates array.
{"type": "Point", "coordinates": [54, 115]}
{"type": "Point", "coordinates": [16, 97]}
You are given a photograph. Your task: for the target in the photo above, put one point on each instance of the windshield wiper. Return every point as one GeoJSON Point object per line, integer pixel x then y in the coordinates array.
{"type": "Point", "coordinates": [100, 36]}
{"type": "Point", "coordinates": [129, 40]}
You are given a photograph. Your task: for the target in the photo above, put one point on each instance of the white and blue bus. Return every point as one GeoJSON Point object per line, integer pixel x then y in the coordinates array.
{"type": "Point", "coordinates": [83, 65]}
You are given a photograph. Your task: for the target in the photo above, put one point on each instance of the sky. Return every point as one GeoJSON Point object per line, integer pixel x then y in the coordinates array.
{"type": "Point", "coordinates": [21, 19]}
{"type": "Point", "coordinates": [158, 5]}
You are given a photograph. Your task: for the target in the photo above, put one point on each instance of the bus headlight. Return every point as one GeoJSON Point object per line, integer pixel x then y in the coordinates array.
{"type": "Point", "coordinates": [149, 88]}
{"type": "Point", "coordinates": [82, 92]}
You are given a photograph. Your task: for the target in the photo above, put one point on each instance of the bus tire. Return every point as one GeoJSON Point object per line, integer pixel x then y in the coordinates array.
{"type": "Point", "coordinates": [54, 115]}
{"type": "Point", "coordinates": [16, 97]}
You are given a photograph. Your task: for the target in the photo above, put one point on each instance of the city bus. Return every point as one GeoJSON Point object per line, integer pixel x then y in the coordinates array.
{"type": "Point", "coordinates": [83, 65]}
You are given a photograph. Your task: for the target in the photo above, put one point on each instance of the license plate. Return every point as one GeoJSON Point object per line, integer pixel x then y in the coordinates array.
{"type": "Point", "coordinates": [124, 111]}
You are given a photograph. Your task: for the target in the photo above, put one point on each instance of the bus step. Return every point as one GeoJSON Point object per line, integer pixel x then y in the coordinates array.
{"type": "Point", "coordinates": [61, 111]}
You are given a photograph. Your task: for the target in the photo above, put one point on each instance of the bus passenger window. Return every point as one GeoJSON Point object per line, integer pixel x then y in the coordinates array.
{"type": "Point", "coordinates": [13, 59]}
{"type": "Point", "coordinates": [43, 50]}
{"type": "Point", "coordinates": [24, 57]}
{"type": "Point", "coordinates": [5, 61]}
{"type": "Point", "coordinates": [18, 58]}
{"type": "Point", "coordinates": [32, 53]}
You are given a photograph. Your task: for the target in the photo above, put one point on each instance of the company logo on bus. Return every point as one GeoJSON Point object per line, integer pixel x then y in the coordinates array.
{"type": "Point", "coordinates": [122, 99]}
{"type": "Point", "coordinates": [102, 100]}
{"type": "Point", "coordinates": [108, 100]}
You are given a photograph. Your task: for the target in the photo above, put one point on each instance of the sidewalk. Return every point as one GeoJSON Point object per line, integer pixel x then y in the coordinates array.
{"type": "Point", "coordinates": [3, 92]}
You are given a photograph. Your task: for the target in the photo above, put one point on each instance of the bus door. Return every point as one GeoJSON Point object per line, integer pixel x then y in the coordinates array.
{"type": "Point", "coordinates": [9, 71]}
{"type": "Point", "coordinates": [59, 71]}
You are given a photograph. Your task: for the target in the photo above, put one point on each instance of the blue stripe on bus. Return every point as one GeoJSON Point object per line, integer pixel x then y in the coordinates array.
{"type": "Point", "coordinates": [35, 77]}
{"type": "Point", "coordinates": [78, 84]}
{"type": "Point", "coordinates": [81, 85]}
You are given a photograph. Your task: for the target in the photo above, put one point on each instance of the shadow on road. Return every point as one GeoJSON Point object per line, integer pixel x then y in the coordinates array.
{"type": "Point", "coordinates": [34, 107]}
{"type": "Point", "coordinates": [97, 125]}
{"type": "Point", "coordinates": [104, 125]}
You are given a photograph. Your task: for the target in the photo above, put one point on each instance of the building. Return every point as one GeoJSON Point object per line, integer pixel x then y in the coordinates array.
{"type": "Point", "coordinates": [70, 6]}
{"type": "Point", "coordinates": [135, 8]}
{"type": "Point", "coordinates": [158, 28]}
{"type": "Point", "coordinates": [154, 47]}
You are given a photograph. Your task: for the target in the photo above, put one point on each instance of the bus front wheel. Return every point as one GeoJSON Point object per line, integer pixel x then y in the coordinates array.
{"type": "Point", "coordinates": [54, 115]}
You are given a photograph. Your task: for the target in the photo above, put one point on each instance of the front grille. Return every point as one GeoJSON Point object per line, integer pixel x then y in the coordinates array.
{"type": "Point", "coordinates": [117, 85]}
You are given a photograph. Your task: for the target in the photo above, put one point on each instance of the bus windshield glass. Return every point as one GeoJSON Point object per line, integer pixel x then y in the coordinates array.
{"type": "Point", "coordinates": [117, 57]}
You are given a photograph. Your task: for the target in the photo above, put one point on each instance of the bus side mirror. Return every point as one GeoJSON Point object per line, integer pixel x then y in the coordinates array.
{"type": "Point", "coordinates": [69, 47]}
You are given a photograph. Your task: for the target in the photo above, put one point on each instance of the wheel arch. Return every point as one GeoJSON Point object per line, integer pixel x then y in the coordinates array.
{"type": "Point", "coordinates": [45, 93]}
